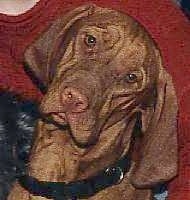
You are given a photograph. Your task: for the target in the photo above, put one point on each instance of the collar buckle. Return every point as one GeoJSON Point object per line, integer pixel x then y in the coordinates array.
{"type": "Point", "coordinates": [117, 172]}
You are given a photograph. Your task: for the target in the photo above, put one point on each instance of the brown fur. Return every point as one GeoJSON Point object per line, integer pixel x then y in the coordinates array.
{"type": "Point", "coordinates": [61, 58]}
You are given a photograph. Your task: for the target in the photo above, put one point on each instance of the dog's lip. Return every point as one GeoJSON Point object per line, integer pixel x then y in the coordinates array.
{"type": "Point", "coordinates": [59, 117]}
{"type": "Point", "coordinates": [58, 120]}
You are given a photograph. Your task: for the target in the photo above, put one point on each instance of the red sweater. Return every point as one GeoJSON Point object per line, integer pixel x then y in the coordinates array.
{"type": "Point", "coordinates": [166, 23]}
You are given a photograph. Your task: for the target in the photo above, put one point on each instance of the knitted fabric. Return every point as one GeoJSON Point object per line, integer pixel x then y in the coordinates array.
{"type": "Point", "coordinates": [165, 22]}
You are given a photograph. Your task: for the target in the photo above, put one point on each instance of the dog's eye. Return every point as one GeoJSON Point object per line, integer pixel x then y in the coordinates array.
{"type": "Point", "coordinates": [90, 40]}
{"type": "Point", "coordinates": [131, 78]}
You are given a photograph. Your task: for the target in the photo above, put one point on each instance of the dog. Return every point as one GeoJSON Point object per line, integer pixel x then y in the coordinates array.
{"type": "Point", "coordinates": [111, 111]}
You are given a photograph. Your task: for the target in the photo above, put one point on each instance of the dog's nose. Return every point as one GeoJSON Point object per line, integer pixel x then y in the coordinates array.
{"type": "Point", "coordinates": [73, 100]}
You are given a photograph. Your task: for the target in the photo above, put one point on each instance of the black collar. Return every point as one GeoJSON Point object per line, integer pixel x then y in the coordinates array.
{"type": "Point", "coordinates": [78, 189]}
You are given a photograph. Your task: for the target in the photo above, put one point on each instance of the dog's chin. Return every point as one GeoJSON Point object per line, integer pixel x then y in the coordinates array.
{"type": "Point", "coordinates": [82, 137]}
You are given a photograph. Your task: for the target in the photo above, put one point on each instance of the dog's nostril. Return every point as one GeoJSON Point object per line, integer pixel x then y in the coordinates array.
{"type": "Point", "coordinates": [70, 95]}
{"type": "Point", "coordinates": [73, 100]}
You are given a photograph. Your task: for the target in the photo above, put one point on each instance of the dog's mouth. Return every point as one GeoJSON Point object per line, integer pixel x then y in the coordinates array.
{"type": "Point", "coordinates": [57, 120]}
{"type": "Point", "coordinates": [82, 136]}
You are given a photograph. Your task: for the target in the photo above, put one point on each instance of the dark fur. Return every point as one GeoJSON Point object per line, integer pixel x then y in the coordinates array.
{"type": "Point", "coordinates": [17, 120]}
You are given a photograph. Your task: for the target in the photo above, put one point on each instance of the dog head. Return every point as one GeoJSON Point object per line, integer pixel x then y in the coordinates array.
{"type": "Point", "coordinates": [104, 75]}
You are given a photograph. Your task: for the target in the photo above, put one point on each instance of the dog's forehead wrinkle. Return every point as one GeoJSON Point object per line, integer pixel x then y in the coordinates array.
{"type": "Point", "coordinates": [91, 29]}
{"type": "Point", "coordinates": [129, 58]}
{"type": "Point", "coordinates": [104, 15]}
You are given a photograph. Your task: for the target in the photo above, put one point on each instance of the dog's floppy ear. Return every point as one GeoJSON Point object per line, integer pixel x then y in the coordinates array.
{"type": "Point", "coordinates": [38, 56]}
{"type": "Point", "coordinates": [157, 153]}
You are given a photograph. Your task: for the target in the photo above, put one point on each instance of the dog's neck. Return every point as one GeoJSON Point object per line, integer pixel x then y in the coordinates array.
{"type": "Point", "coordinates": [55, 158]}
